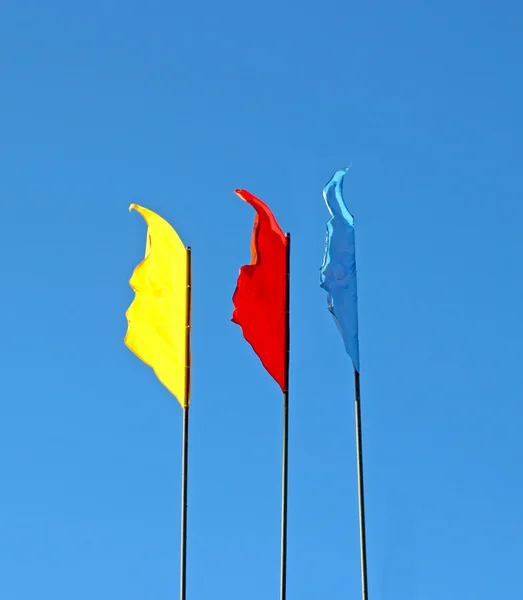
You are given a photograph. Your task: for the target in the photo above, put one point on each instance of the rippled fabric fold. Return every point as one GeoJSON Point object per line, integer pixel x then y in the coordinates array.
{"type": "Point", "coordinates": [157, 317]}
{"type": "Point", "coordinates": [338, 272]}
{"type": "Point", "coordinates": [260, 295]}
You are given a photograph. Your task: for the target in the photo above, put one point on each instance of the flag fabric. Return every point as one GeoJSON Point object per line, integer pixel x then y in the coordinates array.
{"type": "Point", "coordinates": [261, 292]}
{"type": "Point", "coordinates": [157, 317]}
{"type": "Point", "coordinates": [338, 272]}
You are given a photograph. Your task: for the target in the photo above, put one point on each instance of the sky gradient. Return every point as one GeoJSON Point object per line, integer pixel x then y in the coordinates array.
{"type": "Point", "coordinates": [173, 106]}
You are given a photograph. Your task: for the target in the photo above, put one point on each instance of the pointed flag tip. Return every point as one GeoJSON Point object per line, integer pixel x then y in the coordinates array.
{"type": "Point", "coordinates": [241, 194]}
{"type": "Point", "coordinates": [337, 177]}
{"type": "Point", "coordinates": [342, 171]}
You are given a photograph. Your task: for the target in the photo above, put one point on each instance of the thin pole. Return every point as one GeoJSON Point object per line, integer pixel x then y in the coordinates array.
{"type": "Point", "coordinates": [285, 457]}
{"type": "Point", "coordinates": [185, 437]}
{"type": "Point", "coordinates": [361, 495]}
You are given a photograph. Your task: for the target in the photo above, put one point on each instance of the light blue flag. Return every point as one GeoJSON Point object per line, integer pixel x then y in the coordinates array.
{"type": "Point", "coordinates": [338, 272]}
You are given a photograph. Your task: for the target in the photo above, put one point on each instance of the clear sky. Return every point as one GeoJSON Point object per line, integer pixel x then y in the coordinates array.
{"type": "Point", "coordinates": [173, 105]}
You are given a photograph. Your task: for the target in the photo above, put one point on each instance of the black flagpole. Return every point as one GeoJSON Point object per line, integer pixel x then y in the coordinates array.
{"type": "Point", "coordinates": [285, 457]}
{"type": "Point", "coordinates": [185, 438]}
{"type": "Point", "coordinates": [361, 496]}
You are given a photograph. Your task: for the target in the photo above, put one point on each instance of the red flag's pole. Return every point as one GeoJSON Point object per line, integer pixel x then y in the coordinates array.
{"type": "Point", "coordinates": [361, 495]}
{"type": "Point", "coordinates": [185, 438]}
{"type": "Point", "coordinates": [283, 574]}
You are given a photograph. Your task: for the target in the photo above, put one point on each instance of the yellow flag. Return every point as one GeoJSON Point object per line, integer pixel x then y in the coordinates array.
{"type": "Point", "coordinates": [157, 317]}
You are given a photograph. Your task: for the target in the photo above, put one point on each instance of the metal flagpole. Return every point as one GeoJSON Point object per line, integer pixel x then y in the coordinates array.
{"type": "Point", "coordinates": [185, 438]}
{"type": "Point", "coordinates": [285, 457]}
{"type": "Point", "coordinates": [361, 496]}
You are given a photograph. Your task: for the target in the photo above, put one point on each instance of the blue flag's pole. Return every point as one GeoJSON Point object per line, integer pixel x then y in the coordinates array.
{"type": "Point", "coordinates": [361, 495]}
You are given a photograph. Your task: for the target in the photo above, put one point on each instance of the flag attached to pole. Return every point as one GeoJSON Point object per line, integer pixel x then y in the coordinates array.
{"type": "Point", "coordinates": [338, 272]}
{"type": "Point", "coordinates": [261, 292]}
{"type": "Point", "coordinates": [157, 318]}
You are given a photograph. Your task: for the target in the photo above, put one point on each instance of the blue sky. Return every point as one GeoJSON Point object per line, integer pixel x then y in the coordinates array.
{"type": "Point", "coordinates": [173, 105]}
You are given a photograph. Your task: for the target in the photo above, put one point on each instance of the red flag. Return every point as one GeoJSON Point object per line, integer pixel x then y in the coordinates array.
{"type": "Point", "coordinates": [261, 292]}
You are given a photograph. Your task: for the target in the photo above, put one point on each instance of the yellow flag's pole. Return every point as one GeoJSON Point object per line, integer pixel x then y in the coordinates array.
{"type": "Point", "coordinates": [185, 438]}
{"type": "Point", "coordinates": [285, 454]}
